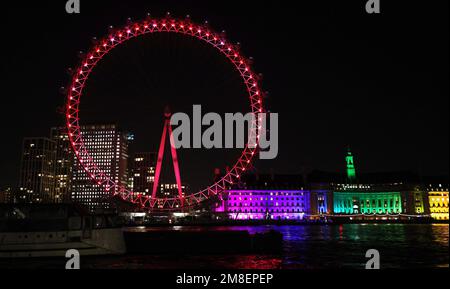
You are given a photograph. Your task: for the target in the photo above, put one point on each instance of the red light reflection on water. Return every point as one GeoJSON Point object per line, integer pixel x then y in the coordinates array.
{"type": "Point", "coordinates": [257, 262]}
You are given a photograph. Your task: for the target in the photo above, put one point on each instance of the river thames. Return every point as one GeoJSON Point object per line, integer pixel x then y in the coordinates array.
{"type": "Point", "coordinates": [401, 246]}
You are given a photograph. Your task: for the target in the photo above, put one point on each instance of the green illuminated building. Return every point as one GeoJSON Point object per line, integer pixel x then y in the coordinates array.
{"type": "Point", "coordinates": [351, 171]}
{"type": "Point", "coordinates": [349, 203]}
{"type": "Point", "coordinates": [356, 199]}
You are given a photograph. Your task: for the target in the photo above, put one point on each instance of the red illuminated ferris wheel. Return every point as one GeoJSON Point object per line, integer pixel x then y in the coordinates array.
{"type": "Point", "coordinates": [140, 29]}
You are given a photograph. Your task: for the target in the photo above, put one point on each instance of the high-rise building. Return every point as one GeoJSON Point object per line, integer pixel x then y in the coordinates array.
{"type": "Point", "coordinates": [36, 181]}
{"type": "Point", "coordinates": [63, 164]}
{"type": "Point", "coordinates": [108, 148]}
{"type": "Point", "coordinates": [143, 172]}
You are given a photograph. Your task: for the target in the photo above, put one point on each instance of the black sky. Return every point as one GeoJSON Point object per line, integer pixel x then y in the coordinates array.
{"type": "Point", "coordinates": [336, 75]}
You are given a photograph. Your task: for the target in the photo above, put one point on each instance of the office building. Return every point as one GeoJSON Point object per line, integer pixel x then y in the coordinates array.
{"type": "Point", "coordinates": [108, 148]}
{"type": "Point", "coordinates": [143, 172]}
{"type": "Point", "coordinates": [36, 180]}
{"type": "Point", "coordinates": [63, 165]}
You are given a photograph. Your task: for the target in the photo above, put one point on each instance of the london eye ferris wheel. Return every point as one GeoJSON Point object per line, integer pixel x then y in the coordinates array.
{"type": "Point", "coordinates": [139, 29]}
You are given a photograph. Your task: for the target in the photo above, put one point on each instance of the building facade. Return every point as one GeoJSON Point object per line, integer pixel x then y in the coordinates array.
{"type": "Point", "coordinates": [265, 204]}
{"type": "Point", "coordinates": [63, 165]}
{"type": "Point", "coordinates": [320, 201]}
{"type": "Point", "coordinates": [143, 172]}
{"type": "Point", "coordinates": [5, 196]}
{"type": "Point", "coordinates": [369, 202]}
{"type": "Point", "coordinates": [36, 180]}
{"type": "Point", "coordinates": [414, 200]}
{"type": "Point", "coordinates": [108, 147]}
{"type": "Point", "coordinates": [278, 197]}
{"type": "Point", "coordinates": [438, 202]}
{"type": "Point", "coordinates": [265, 197]}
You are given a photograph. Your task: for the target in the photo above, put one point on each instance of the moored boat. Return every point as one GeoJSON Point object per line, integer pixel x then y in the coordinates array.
{"type": "Point", "coordinates": [52, 230]}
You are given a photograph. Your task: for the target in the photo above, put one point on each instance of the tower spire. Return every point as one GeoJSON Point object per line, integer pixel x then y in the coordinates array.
{"type": "Point", "coordinates": [351, 171]}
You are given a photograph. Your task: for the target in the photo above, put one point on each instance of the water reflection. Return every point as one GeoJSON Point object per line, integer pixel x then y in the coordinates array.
{"type": "Point", "coordinates": [344, 246]}
{"type": "Point", "coordinates": [313, 247]}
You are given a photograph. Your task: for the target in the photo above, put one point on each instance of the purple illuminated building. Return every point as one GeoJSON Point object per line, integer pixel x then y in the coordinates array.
{"type": "Point", "coordinates": [265, 204]}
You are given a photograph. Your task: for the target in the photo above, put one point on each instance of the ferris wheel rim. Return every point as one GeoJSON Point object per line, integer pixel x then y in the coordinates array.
{"type": "Point", "coordinates": [137, 29]}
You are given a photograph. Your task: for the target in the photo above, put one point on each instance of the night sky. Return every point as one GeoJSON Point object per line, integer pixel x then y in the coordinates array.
{"type": "Point", "coordinates": [337, 76]}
